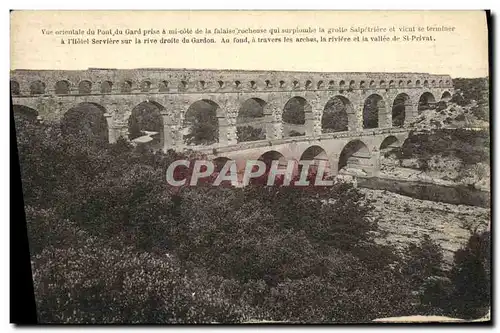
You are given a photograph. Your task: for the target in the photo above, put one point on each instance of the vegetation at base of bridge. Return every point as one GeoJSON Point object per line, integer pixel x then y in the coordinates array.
{"type": "Point", "coordinates": [470, 146]}
{"type": "Point", "coordinates": [470, 90]}
{"type": "Point", "coordinates": [112, 243]}
{"type": "Point", "coordinates": [249, 133]}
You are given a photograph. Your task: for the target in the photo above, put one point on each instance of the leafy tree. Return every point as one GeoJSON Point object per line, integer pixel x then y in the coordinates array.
{"type": "Point", "coordinates": [86, 121]}
{"type": "Point", "coordinates": [426, 260]}
{"type": "Point", "coordinates": [370, 113]}
{"type": "Point", "coordinates": [471, 147]}
{"type": "Point", "coordinates": [249, 133]}
{"type": "Point", "coordinates": [202, 123]}
{"type": "Point", "coordinates": [112, 242]}
{"type": "Point", "coordinates": [145, 117]}
{"type": "Point", "coordinates": [464, 291]}
{"type": "Point", "coordinates": [470, 277]}
{"type": "Point", "coordinates": [334, 118]}
{"type": "Point", "coordinates": [294, 112]}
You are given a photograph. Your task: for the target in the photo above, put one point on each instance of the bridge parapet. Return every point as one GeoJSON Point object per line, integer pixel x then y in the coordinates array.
{"type": "Point", "coordinates": [188, 81]}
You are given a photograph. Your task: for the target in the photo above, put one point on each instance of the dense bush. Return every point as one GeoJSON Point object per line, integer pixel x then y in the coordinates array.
{"type": "Point", "coordinates": [425, 260]}
{"type": "Point", "coordinates": [464, 291]}
{"type": "Point", "coordinates": [441, 105]}
{"type": "Point", "coordinates": [334, 117]}
{"type": "Point", "coordinates": [294, 112]}
{"type": "Point", "coordinates": [472, 89]}
{"type": "Point", "coordinates": [111, 242]}
{"type": "Point", "coordinates": [476, 90]}
{"type": "Point", "coordinates": [249, 133]}
{"type": "Point", "coordinates": [470, 277]}
{"type": "Point", "coordinates": [202, 134]}
{"type": "Point", "coordinates": [295, 133]}
{"type": "Point", "coordinates": [90, 282]}
{"type": "Point", "coordinates": [471, 147]}
{"type": "Point", "coordinates": [145, 117]}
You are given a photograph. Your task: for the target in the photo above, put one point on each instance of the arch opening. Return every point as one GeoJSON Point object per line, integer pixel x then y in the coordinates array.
{"type": "Point", "coordinates": [145, 125]}
{"type": "Point", "coordinates": [37, 88]}
{"type": "Point", "coordinates": [163, 86]}
{"type": "Point", "coordinates": [389, 149]}
{"type": "Point", "coordinates": [426, 102]}
{"type": "Point", "coordinates": [251, 124]}
{"type": "Point", "coordinates": [373, 107]}
{"type": "Point", "coordinates": [183, 86]}
{"type": "Point", "coordinates": [268, 157]}
{"type": "Point", "coordinates": [219, 163]}
{"type": "Point", "coordinates": [62, 87]}
{"type": "Point", "coordinates": [354, 157]}
{"type": "Point", "coordinates": [399, 110]}
{"type": "Point", "coordinates": [389, 143]}
{"type": "Point", "coordinates": [317, 155]}
{"type": "Point", "coordinates": [201, 126]}
{"type": "Point", "coordinates": [85, 87]}
{"type": "Point", "coordinates": [126, 87]}
{"type": "Point", "coordinates": [335, 115]}
{"type": "Point", "coordinates": [24, 113]}
{"type": "Point", "coordinates": [145, 86]}
{"type": "Point", "coordinates": [86, 121]}
{"type": "Point", "coordinates": [106, 87]}
{"type": "Point", "coordinates": [294, 116]}
{"type": "Point", "coordinates": [15, 88]}
{"type": "Point", "coordinates": [446, 96]}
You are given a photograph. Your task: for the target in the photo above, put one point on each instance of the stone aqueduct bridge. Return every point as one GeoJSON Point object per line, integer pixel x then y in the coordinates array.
{"type": "Point", "coordinates": [52, 92]}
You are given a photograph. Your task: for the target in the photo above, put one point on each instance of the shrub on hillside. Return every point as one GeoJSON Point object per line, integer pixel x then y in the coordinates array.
{"type": "Point", "coordinates": [93, 283]}
{"type": "Point", "coordinates": [471, 147]}
{"type": "Point", "coordinates": [463, 292]}
{"type": "Point", "coordinates": [423, 260]}
{"type": "Point", "coordinates": [138, 251]}
{"type": "Point", "coordinates": [470, 277]}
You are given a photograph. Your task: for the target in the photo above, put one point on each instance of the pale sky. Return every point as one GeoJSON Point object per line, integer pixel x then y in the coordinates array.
{"type": "Point", "coordinates": [460, 53]}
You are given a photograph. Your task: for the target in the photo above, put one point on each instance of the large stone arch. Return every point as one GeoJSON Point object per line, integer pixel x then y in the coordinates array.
{"type": "Point", "coordinates": [295, 112]}
{"type": "Point", "coordinates": [15, 89]}
{"type": "Point", "coordinates": [271, 155]}
{"type": "Point", "coordinates": [389, 142]}
{"type": "Point", "coordinates": [251, 120]}
{"type": "Point", "coordinates": [145, 124]}
{"type": "Point", "coordinates": [317, 155]}
{"type": "Point", "coordinates": [401, 109]}
{"type": "Point", "coordinates": [426, 101]}
{"type": "Point", "coordinates": [446, 96]}
{"type": "Point", "coordinates": [201, 123]}
{"type": "Point", "coordinates": [87, 119]}
{"type": "Point", "coordinates": [268, 157]}
{"type": "Point", "coordinates": [355, 155]}
{"type": "Point", "coordinates": [338, 115]}
{"type": "Point", "coordinates": [24, 113]}
{"type": "Point", "coordinates": [219, 163]}
{"type": "Point", "coordinates": [388, 150]}
{"type": "Point", "coordinates": [374, 111]}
